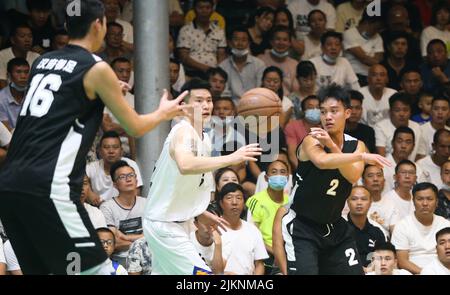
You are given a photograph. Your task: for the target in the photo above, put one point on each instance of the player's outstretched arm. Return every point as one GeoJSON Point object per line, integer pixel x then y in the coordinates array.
{"type": "Point", "coordinates": [182, 150]}
{"type": "Point", "coordinates": [101, 81]}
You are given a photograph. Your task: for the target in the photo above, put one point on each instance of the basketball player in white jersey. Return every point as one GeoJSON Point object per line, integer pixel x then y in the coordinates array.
{"type": "Point", "coordinates": [181, 188]}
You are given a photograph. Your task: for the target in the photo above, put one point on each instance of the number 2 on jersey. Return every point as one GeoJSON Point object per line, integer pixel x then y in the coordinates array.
{"type": "Point", "coordinates": [333, 186]}
{"type": "Point", "coordinates": [40, 95]}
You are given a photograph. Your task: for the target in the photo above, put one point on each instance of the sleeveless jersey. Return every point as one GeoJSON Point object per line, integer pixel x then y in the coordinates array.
{"type": "Point", "coordinates": [55, 128]}
{"type": "Point", "coordinates": [173, 196]}
{"type": "Point", "coordinates": [320, 194]}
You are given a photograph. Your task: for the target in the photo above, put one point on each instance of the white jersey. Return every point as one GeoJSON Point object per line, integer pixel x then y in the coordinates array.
{"type": "Point", "coordinates": [177, 197]}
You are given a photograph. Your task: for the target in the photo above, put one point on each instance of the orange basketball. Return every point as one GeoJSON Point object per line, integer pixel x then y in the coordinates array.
{"type": "Point", "coordinates": [259, 102]}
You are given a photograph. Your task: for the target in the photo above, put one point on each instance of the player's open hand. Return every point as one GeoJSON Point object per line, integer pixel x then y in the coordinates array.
{"type": "Point", "coordinates": [124, 87]}
{"type": "Point", "coordinates": [322, 136]}
{"type": "Point", "coordinates": [169, 109]}
{"type": "Point", "coordinates": [246, 153]}
{"type": "Point", "coordinates": [377, 160]}
{"type": "Point", "coordinates": [213, 221]}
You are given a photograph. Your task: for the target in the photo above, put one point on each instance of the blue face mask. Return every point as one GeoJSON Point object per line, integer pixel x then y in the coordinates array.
{"type": "Point", "coordinates": [312, 116]}
{"type": "Point", "coordinates": [277, 182]}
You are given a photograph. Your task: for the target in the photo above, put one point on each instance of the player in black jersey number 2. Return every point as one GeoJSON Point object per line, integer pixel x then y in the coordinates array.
{"type": "Point", "coordinates": [330, 162]}
{"type": "Point", "coordinates": [41, 180]}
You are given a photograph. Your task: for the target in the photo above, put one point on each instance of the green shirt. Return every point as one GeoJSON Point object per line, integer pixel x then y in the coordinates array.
{"type": "Point", "coordinates": [263, 210]}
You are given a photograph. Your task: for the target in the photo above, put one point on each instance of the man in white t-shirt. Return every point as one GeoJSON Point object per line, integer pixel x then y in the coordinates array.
{"type": "Point", "coordinates": [440, 265]}
{"type": "Point", "coordinates": [98, 172]}
{"type": "Point", "coordinates": [300, 10]}
{"type": "Point", "coordinates": [405, 177]}
{"type": "Point", "coordinates": [243, 246]}
{"type": "Point", "coordinates": [376, 96]}
{"type": "Point", "coordinates": [415, 235]}
{"type": "Point", "coordinates": [95, 215]}
{"type": "Point", "coordinates": [332, 68]}
{"type": "Point", "coordinates": [181, 188]}
{"type": "Point", "coordinates": [440, 113]}
{"type": "Point", "coordinates": [112, 12]}
{"type": "Point", "coordinates": [384, 261]}
{"type": "Point", "coordinates": [349, 14]}
{"type": "Point", "coordinates": [2, 259]}
{"type": "Point", "coordinates": [364, 46]}
{"type": "Point", "coordinates": [431, 164]}
{"type": "Point", "coordinates": [399, 114]}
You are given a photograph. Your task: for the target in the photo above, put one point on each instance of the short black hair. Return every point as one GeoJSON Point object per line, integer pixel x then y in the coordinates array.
{"type": "Point", "coordinates": [305, 69]}
{"type": "Point", "coordinates": [120, 59]}
{"type": "Point", "coordinates": [440, 97]}
{"type": "Point", "coordinates": [16, 62]}
{"type": "Point", "coordinates": [197, 1]}
{"type": "Point", "coordinates": [278, 29]}
{"type": "Point", "coordinates": [225, 98]}
{"type": "Point", "coordinates": [355, 94]}
{"type": "Point", "coordinates": [441, 232]}
{"type": "Point", "coordinates": [385, 246]}
{"type": "Point", "coordinates": [106, 230]}
{"type": "Point", "coordinates": [78, 24]}
{"type": "Point", "coordinates": [110, 134]}
{"type": "Point", "coordinates": [195, 83]}
{"type": "Point", "coordinates": [405, 162]}
{"type": "Point", "coordinates": [392, 36]}
{"type": "Point", "coordinates": [19, 26]}
{"type": "Point", "coordinates": [309, 97]}
{"type": "Point", "coordinates": [114, 24]}
{"type": "Point", "coordinates": [116, 166]}
{"type": "Point", "coordinates": [174, 61]}
{"type": "Point", "coordinates": [424, 186]}
{"type": "Point", "coordinates": [217, 71]}
{"type": "Point", "coordinates": [403, 129]}
{"type": "Point", "coordinates": [435, 41]}
{"type": "Point", "coordinates": [40, 5]}
{"type": "Point", "coordinates": [401, 97]}
{"type": "Point", "coordinates": [336, 92]}
{"type": "Point", "coordinates": [438, 134]}
{"type": "Point", "coordinates": [367, 166]}
{"type": "Point", "coordinates": [277, 160]}
{"type": "Point", "coordinates": [330, 34]}
{"type": "Point", "coordinates": [230, 187]}
{"type": "Point", "coordinates": [239, 29]}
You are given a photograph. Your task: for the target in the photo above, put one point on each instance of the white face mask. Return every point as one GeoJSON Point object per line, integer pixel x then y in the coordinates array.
{"type": "Point", "coordinates": [446, 187]}
{"type": "Point", "coordinates": [239, 52]}
{"type": "Point", "coordinates": [329, 59]}
{"type": "Point", "coordinates": [17, 87]}
{"type": "Point", "coordinates": [279, 54]}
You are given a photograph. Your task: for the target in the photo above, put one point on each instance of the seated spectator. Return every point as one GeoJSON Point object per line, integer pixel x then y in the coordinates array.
{"type": "Point", "coordinates": [402, 147]}
{"type": "Point", "coordinates": [399, 114]}
{"type": "Point", "coordinates": [431, 164]}
{"type": "Point", "coordinates": [139, 259]}
{"type": "Point", "coordinates": [217, 78]}
{"type": "Point", "coordinates": [243, 69]}
{"type": "Point", "coordinates": [113, 44]}
{"type": "Point", "coordinates": [59, 40]}
{"type": "Point", "coordinates": [176, 15]}
{"type": "Point", "coordinates": [443, 207]}
{"type": "Point", "coordinates": [174, 73]}
{"type": "Point", "coordinates": [283, 17]}
{"type": "Point", "coordinates": [358, 130]}
{"type": "Point", "coordinates": [122, 68]}
{"type": "Point", "coordinates": [2, 259]}
{"type": "Point", "coordinates": [272, 78]}
{"type": "Point", "coordinates": [181, 75]}
{"type": "Point", "coordinates": [306, 78]}
{"type": "Point", "coordinates": [385, 261]}
{"type": "Point", "coordinates": [262, 184]}
{"type": "Point", "coordinates": [21, 40]}
{"type": "Point", "coordinates": [112, 13]}
{"type": "Point", "coordinates": [435, 70]}
{"type": "Point", "coordinates": [215, 17]}
{"type": "Point", "coordinates": [108, 242]}
{"type": "Point", "coordinates": [424, 116]}
{"type": "Point", "coordinates": [12, 264]}
{"type": "Point", "coordinates": [12, 96]}
{"type": "Point", "coordinates": [98, 171]}
{"type": "Point", "coordinates": [440, 265]}
{"type": "Point", "coordinates": [438, 29]}
{"type": "Point", "coordinates": [278, 56]}
{"type": "Point", "coordinates": [264, 205]}
{"type": "Point", "coordinates": [330, 66]}
{"type": "Point", "coordinates": [95, 215]}
{"type": "Point", "coordinates": [296, 130]}
{"type": "Point", "coordinates": [222, 177]}
{"type": "Point", "coordinates": [259, 30]}
{"type": "Point", "coordinates": [123, 212]}
{"type": "Point", "coordinates": [243, 246]}
{"type": "Point", "coordinates": [300, 10]}
{"type": "Point", "coordinates": [348, 14]}
{"type": "Point", "coordinates": [382, 210]}
{"type": "Point", "coordinates": [440, 113]}
{"type": "Point", "coordinates": [5, 138]}
{"type": "Point", "coordinates": [40, 21]}
{"type": "Point", "coordinates": [317, 21]}
{"type": "Point", "coordinates": [411, 84]}
{"type": "Point", "coordinates": [414, 236]}
{"type": "Point", "coordinates": [405, 177]}
{"type": "Point", "coordinates": [364, 46]}
{"type": "Point", "coordinates": [396, 59]}
{"type": "Point", "coordinates": [376, 96]}
{"type": "Point", "coordinates": [367, 233]}
{"type": "Point", "coordinates": [201, 44]}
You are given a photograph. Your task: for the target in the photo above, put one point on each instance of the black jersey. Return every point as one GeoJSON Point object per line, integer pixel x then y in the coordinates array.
{"type": "Point", "coordinates": [320, 194]}
{"type": "Point", "coordinates": [55, 128]}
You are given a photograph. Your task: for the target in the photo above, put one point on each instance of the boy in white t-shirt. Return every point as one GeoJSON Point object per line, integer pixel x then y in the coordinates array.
{"type": "Point", "coordinates": [384, 261]}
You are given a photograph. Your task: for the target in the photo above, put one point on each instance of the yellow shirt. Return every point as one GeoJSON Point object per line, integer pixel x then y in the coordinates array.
{"type": "Point", "coordinates": [263, 210]}
{"type": "Point", "coordinates": [215, 18]}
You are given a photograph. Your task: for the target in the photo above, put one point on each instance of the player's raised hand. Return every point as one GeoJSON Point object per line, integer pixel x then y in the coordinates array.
{"type": "Point", "coordinates": [246, 153]}
{"type": "Point", "coordinates": [377, 160]}
{"type": "Point", "coordinates": [213, 221]}
{"type": "Point", "coordinates": [169, 109]}
{"type": "Point", "coordinates": [322, 136]}
{"type": "Point", "coordinates": [124, 87]}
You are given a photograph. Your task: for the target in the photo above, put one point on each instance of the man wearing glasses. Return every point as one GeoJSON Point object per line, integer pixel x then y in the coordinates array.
{"type": "Point", "coordinates": [123, 212]}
